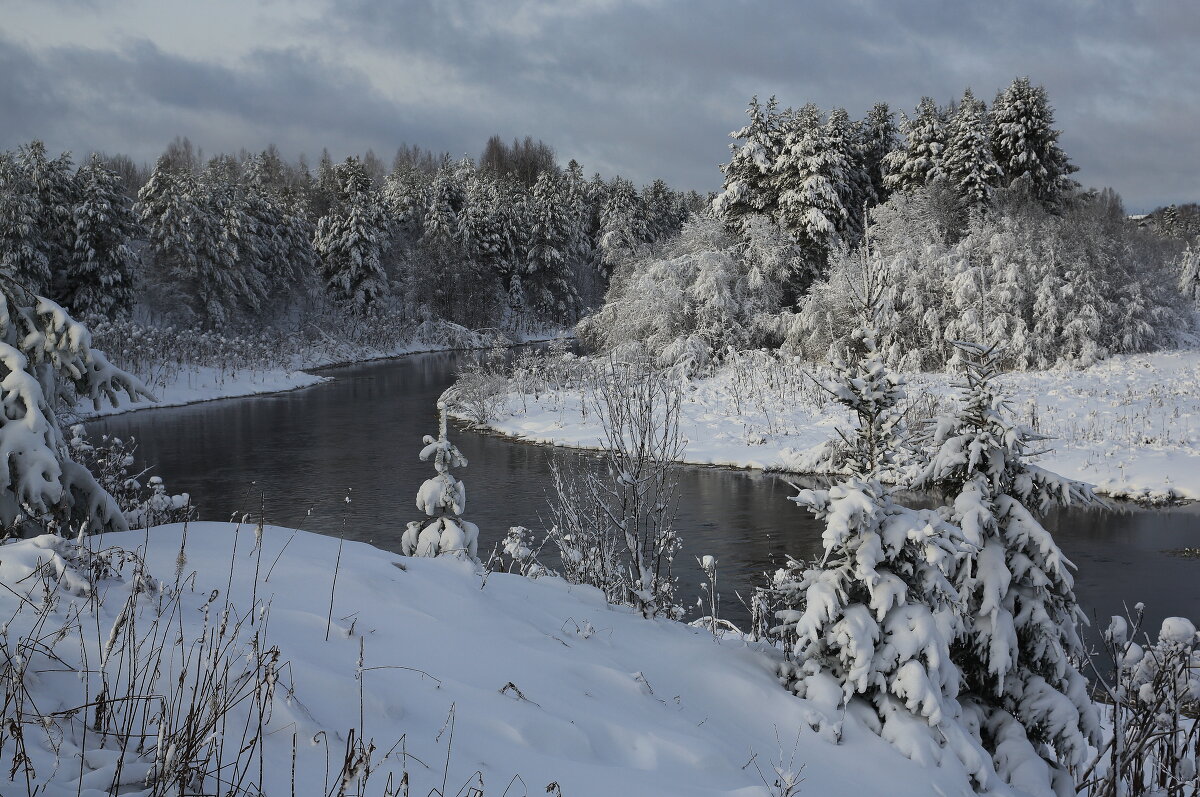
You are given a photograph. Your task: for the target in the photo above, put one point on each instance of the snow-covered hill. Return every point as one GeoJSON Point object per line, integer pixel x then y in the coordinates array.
{"type": "Point", "coordinates": [497, 675]}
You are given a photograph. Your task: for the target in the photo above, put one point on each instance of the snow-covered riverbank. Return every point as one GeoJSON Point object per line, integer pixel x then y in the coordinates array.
{"type": "Point", "coordinates": [194, 384]}
{"type": "Point", "coordinates": [1130, 424]}
{"type": "Point", "coordinates": [459, 673]}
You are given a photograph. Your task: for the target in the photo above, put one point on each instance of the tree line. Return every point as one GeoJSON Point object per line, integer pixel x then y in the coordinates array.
{"type": "Point", "coordinates": [239, 239]}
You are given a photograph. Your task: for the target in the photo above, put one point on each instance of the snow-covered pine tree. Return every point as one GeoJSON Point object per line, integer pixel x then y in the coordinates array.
{"type": "Point", "coordinates": [324, 191]}
{"type": "Point", "coordinates": [166, 209]}
{"type": "Point", "coordinates": [844, 137]}
{"type": "Point", "coordinates": [811, 177]}
{"type": "Point", "coordinates": [47, 358]}
{"type": "Point", "coordinates": [226, 275]}
{"type": "Point", "coordinates": [623, 228]}
{"type": "Point", "coordinates": [879, 132]}
{"type": "Point", "coordinates": [749, 186]}
{"type": "Point", "coordinates": [1025, 142]}
{"type": "Point", "coordinates": [444, 499]}
{"type": "Point", "coordinates": [263, 247]}
{"type": "Point", "coordinates": [349, 242]}
{"type": "Point", "coordinates": [663, 215]}
{"type": "Point", "coordinates": [918, 162]}
{"type": "Point", "coordinates": [441, 223]}
{"type": "Point", "coordinates": [22, 252]}
{"type": "Point", "coordinates": [53, 185]}
{"type": "Point", "coordinates": [483, 229]}
{"type": "Point", "coordinates": [968, 161]}
{"type": "Point", "coordinates": [548, 273]}
{"type": "Point", "coordinates": [577, 207]}
{"type": "Point", "coordinates": [1015, 653]}
{"type": "Point", "coordinates": [596, 191]}
{"type": "Point", "coordinates": [99, 279]}
{"type": "Point", "coordinates": [296, 239]}
{"type": "Point", "coordinates": [870, 625]}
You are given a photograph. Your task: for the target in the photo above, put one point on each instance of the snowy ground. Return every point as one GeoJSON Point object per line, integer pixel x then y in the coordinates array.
{"type": "Point", "coordinates": [503, 676]}
{"type": "Point", "coordinates": [1130, 425]}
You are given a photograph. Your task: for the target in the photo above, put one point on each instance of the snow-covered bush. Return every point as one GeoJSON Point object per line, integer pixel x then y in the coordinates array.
{"type": "Point", "coordinates": [444, 499]}
{"type": "Point", "coordinates": [144, 500]}
{"type": "Point", "coordinates": [1057, 289]}
{"type": "Point", "coordinates": [480, 386]}
{"type": "Point", "coordinates": [46, 358]}
{"type": "Point", "coordinates": [1016, 650]}
{"type": "Point", "coordinates": [695, 296]}
{"type": "Point", "coordinates": [518, 553]}
{"type": "Point", "coordinates": [1151, 694]}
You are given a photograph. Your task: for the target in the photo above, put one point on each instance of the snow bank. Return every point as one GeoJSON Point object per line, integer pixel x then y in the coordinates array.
{"type": "Point", "coordinates": [1130, 424]}
{"type": "Point", "coordinates": [543, 680]}
{"type": "Point", "coordinates": [201, 383]}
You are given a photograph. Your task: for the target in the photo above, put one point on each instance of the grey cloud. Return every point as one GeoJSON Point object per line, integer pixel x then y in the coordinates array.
{"type": "Point", "coordinates": [642, 88]}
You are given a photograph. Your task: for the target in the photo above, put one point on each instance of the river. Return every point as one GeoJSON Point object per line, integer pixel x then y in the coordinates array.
{"type": "Point", "coordinates": [358, 436]}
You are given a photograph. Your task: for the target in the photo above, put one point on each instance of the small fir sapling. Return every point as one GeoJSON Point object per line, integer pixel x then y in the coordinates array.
{"type": "Point", "coordinates": [443, 498]}
{"type": "Point", "coordinates": [869, 627]}
{"type": "Point", "coordinates": [1016, 649]}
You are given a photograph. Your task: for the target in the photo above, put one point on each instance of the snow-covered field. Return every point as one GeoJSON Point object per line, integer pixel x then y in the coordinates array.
{"type": "Point", "coordinates": [460, 674]}
{"type": "Point", "coordinates": [1130, 424]}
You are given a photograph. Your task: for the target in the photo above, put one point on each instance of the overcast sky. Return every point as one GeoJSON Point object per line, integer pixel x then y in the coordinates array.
{"type": "Point", "coordinates": [645, 89]}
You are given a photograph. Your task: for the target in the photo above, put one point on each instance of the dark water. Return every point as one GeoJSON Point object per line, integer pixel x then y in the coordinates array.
{"type": "Point", "coordinates": [360, 435]}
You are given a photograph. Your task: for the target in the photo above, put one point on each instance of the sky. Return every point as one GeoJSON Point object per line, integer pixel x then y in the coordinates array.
{"type": "Point", "coordinates": [641, 88]}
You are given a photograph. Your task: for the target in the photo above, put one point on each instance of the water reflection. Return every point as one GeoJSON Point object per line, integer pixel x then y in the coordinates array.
{"type": "Point", "coordinates": [359, 436]}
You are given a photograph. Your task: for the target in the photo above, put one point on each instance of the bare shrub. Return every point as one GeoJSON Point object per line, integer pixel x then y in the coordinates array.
{"type": "Point", "coordinates": [616, 530]}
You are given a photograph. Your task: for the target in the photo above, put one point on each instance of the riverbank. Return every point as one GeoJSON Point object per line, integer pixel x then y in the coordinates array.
{"type": "Point", "coordinates": [1129, 425]}
{"type": "Point", "coordinates": [196, 384]}
{"type": "Point", "coordinates": [451, 673]}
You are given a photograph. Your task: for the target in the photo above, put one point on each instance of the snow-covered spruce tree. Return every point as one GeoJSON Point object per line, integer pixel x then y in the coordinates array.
{"type": "Point", "coordinates": [101, 270]}
{"type": "Point", "coordinates": [264, 248]}
{"type": "Point", "coordinates": [1019, 685]}
{"type": "Point", "coordinates": [22, 255]}
{"type": "Point", "coordinates": [192, 227]}
{"type": "Point", "coordinates": [349, 241]}
{"type": "Point", "coordinates": [53, 184]}
{"type": "Point", "coordinates": [844, 137]}
{"type": "Point", "coordinates": [748, 186]}
{"type": "Point", "coordinates": [968, 161]}
{"type": "Point", "coordinates": [622, 225]}
{"type": "Point", "coordinates": [879, 132]}
{"type": "Point", "coordinates": [46, 358]}
{"type": "Point", "coordinates": [548, 279]}
{"type": "Point", "coordinates": [1025, 142]}
{"type": "Point", "coordinates": [664, 211]}
{"type": "Point", "coordinates": [918, 161]}
{"type": "Point", "coordinates": [444, 499]}
{"type": "Point", "coordinates": [811, 176]}
{"type": "Point", "coordinates": [869, 626]}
